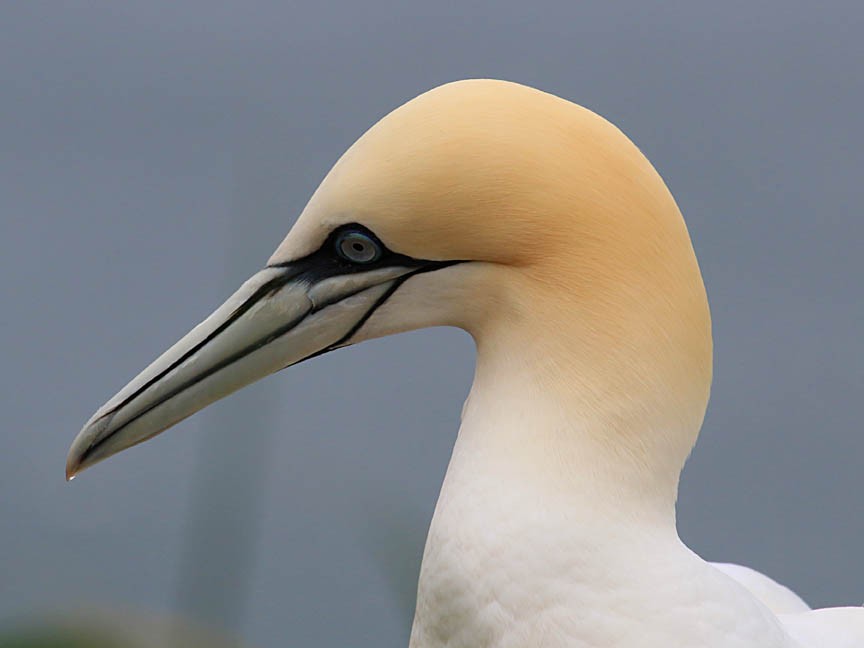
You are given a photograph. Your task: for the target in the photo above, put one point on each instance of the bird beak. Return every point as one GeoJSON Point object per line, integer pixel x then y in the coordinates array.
{"type": "Point", "coordinates": [282, 315]}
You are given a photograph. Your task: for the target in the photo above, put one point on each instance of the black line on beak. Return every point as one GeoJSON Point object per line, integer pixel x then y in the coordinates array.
{"type": "Point", "coordinates": [429, 267]}
{"type": "Point", "coordinates": [397, 283]}
{"type": "Point", "coordinates": [225, 362]}
{"type": "Point", "coordinates": [271, 286]}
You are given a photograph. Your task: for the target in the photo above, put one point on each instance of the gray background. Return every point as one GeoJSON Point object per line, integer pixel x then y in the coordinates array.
{"type": "Point", "coordinates": [152, 154]}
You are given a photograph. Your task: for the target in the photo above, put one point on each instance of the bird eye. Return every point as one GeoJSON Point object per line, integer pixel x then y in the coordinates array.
{"type": "Point", "coordinates": [357, 247]}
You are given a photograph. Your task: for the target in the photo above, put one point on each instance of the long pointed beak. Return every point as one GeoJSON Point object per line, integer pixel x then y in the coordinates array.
{"type": "Point", "coordinates": [279, 317]}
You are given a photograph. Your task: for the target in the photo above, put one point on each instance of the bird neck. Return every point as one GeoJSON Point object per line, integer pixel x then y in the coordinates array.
{"type": "Point", "coordinates": [560, 493]}
{"type": "Point", "coordinates": [539, 428]}
{"type": "Point", "coordinates": [594, 414]}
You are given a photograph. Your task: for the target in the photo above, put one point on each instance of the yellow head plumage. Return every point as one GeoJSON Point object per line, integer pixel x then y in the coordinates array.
{"type": "Point", "coordinates": [580, 243]}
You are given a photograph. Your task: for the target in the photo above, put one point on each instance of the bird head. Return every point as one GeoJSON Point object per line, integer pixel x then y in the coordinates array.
{"type": "Point", "coordinates": [514, 214]}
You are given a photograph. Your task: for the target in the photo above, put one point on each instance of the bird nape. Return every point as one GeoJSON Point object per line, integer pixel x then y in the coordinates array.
{"type": "Point", "coordinates": [539, 228]}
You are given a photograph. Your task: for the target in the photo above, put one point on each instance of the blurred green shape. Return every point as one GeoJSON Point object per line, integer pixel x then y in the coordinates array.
{"type": "Point", "coordinates": [110, 628]}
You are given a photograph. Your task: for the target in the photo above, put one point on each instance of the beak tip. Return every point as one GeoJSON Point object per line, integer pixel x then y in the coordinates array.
{"type": "Point", "coordinates": [80, 456]}
{"type": "Point", "coordinates": [74, 462]}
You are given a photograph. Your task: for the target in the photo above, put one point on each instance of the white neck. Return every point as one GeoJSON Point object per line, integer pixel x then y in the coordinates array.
{"type": "Point", "coordinates": [519, 432]}
{"type": "Point", "coordinates": [543, 530]}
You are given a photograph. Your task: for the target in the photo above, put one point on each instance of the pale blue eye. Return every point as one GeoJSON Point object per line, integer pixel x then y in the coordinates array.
{"type": "Point", "coordinates": [357, 247]}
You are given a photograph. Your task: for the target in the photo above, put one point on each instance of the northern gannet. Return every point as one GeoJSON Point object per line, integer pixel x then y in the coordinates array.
{"type": "Point", "coordinates": [538, 227]}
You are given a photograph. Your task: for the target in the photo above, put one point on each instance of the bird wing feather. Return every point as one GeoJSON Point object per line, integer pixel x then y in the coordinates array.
{"type": "Point", "coordinates": [841, 627]}
{"type": "Point", "coordinates": [778, 598]}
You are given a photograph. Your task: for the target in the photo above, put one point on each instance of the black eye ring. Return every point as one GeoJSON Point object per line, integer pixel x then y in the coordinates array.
{"type": "Point", "coordinates": [357, 247]}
